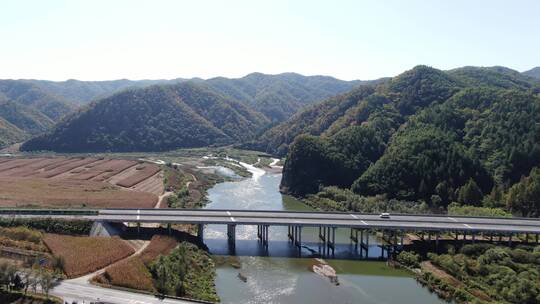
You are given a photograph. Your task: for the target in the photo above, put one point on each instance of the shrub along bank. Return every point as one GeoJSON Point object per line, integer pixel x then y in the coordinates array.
{"type": "Point", "coordinates": [481, 273]}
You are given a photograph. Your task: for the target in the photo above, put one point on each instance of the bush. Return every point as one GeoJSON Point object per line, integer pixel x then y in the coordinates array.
{"type": "Point", "coordinates": [475, 249]}
{"type": "Point", "coordinates": [409, 259]}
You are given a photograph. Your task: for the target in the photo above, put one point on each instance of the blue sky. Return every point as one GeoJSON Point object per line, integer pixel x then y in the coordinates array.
{"type": "Point", "coordinates": [99, 40]}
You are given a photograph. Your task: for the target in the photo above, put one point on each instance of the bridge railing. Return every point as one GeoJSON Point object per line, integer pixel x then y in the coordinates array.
{"type": "Point", "coordinates": [31, 211]}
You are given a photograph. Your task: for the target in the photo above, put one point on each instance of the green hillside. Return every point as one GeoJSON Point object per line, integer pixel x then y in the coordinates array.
{"type": "Point", "coordinates": [25, 93]}
{"type": "Point", "coordinates": [82, 92]}
{"type": "Point", "coordinates": [534, 72]}
{"type": "Point", "coordinates": [156, 118]}
{"type": "Point", "coordinates": [424, 135]}
{"type": "Point", "coordinates": [280, 96]}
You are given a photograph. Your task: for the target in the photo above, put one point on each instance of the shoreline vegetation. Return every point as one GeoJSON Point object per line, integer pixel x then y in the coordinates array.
{"type": "Point", "coordinates": [479, 273]}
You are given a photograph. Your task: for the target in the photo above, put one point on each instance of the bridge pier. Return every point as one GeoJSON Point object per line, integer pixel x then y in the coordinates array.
{"type": "Point", "coordinates": [169, 231]}
{"type": "Point", "coordinates": [263, 235]}
{"type": "Point", "coordinates": [231, 234]}
{"type": "Point", "coordinates": [364, 245]}
{"type": "Point", "coordinates": [200, 231]}
{"type": "Point", "coordinates": [354, 238]}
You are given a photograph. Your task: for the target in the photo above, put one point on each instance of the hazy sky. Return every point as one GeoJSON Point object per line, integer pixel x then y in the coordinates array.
{"type": "Point", "coordinates": [98, 40]}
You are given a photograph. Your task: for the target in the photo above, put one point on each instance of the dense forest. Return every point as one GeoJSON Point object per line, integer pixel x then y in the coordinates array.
{"type": "Point", "coordinates": [469, 135]}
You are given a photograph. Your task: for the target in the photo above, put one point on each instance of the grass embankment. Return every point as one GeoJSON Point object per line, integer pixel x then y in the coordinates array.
{"type": "Point", "coordinates": [481, 273]}
{"type": "Point", "coordinates": [167, 266]}
{"type": "Point", "coordinates": [83, 255]}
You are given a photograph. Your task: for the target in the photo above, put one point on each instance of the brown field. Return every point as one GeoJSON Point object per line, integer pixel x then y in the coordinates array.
{"type": "Point", "coordinates": [160, 244]}
{"type": "Point", "coordinates": [153, 184]}
{"type": "Point", "coordinates": [141, 173]}
{"type": "Point", "coordinates": [69, 193]}
{"type": "Point", "coordinates": [134, 273]}
{"type": "Point", "coordinates": [79, 182]}
{"type": "Point", "coordinates": [83, 255]}
{"type": "Point", "coordinates": [65, 168]}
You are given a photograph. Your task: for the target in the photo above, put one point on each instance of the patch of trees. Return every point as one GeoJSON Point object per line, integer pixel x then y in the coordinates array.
{"type": "Point", "coordinates": [75, 227]}
{"type": "Point", "coordinates": [186, 271]}
{"type": "Point", "coordinates": [503, 274]}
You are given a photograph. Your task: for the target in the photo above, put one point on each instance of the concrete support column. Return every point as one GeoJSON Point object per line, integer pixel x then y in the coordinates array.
{"type": "Point", "coordinates": [231, 234]}
{"type": "Point", "coordinates": [382, 245]}
{"type": "Point", "coordinates": [200, 231]}
{"type": "Point", "coordinates": [536, 236]}
{"type": "Point", "coordinates": [510, 241]}
{"type": "Point", "coordinates": [299, 236]}
{"type": "Point", "coordinates": [169, 231]}
{"type": "Point", "coordinates": [333, 240]}
{"type": "Point", "coordinates": [436, 241]}
{"type": "Point", "coordinates": [473, 236]}
{"type": "Point", "coordinates": [367, 244]}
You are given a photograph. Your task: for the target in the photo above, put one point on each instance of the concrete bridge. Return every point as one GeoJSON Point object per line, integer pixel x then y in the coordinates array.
{"type": "Point", "coordinates": [360, 224]}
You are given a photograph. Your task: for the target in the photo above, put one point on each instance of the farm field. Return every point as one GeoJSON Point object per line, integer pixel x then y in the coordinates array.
{"type": "Point", "coordinates": [83, 255]}
{"type": "Point", "coordinates": [134, 272]}
{"type": "Point", "coordinates": [79, 182]}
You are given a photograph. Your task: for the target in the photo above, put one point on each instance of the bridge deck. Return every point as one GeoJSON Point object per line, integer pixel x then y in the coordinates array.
{"type": "Point", "coordinates": [314, 219]}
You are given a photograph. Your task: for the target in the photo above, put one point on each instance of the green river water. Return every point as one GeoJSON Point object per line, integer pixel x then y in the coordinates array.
{"type": "Point", "coordinates": [280, 276]}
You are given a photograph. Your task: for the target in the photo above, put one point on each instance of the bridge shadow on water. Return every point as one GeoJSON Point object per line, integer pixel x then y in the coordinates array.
{"type": "Point", "coordinates": [286, 249]}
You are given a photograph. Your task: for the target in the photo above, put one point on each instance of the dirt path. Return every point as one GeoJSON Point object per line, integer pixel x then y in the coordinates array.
{"type": "Point", "coordinates": [161, 198]}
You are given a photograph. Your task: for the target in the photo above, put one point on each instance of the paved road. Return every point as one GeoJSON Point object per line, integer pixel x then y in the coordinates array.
{"type": "Point", "coordinates": [334, 219]}
{"type": "Point", "coordinates": [75, 290]}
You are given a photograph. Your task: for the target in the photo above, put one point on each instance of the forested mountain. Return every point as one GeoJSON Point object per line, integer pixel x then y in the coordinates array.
{"type": "Point", "coordinates": [82, 92]}
{"type": "Point", "coordinates": [534, 72]}
{"type": "Point", "coordinates": [280, 96]}
{"type": "Point", "coordinates": [10, 134]}
{"type": "Point", "coordinates": [462, 135]}
{"type": "Point", "coordinates": [24, 117]}
{"type": "Point", "coordinates": [157, 118]}
{"type": "Point", "coordinates": [277, 97]}
{"type": "Point", "coordinates": [27, 110]}
{"type": "Point", "coordinates": [27, 94]}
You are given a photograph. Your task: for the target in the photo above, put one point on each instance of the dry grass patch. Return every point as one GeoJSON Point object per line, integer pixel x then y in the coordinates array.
{"type": "Point", "coordinates": [133, 273]}
{"type": "Point", "coordinates": [84, 255]}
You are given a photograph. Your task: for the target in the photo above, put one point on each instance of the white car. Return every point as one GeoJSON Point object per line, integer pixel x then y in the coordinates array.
{"type": "Point", "coordinates": [385, 215]}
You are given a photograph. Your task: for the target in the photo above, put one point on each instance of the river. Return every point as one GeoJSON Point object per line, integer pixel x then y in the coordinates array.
{"type": "Point", "coordinates": [281, 276]}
